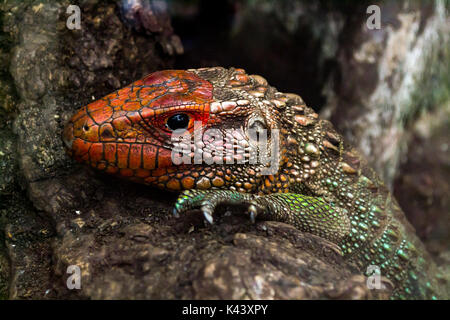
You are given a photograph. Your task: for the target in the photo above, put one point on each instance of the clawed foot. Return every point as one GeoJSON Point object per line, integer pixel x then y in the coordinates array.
{"type": "Point", "coordinates": [208, 200]}
{"type": "Point", "coordinates": [308, 214]}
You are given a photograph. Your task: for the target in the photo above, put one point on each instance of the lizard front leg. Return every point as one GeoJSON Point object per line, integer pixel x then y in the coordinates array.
{"type": "Point", "coordinates": [309, 214]}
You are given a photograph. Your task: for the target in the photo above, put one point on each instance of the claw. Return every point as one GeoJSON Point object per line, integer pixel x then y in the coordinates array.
{"type": "Point", "coordinates": [252, 212]}
{"type": "Point", "coordinates": [175, 213]}
{"type": "Point", "coordinates": [252, 217]}
{"type": "Point", "coordinates": [208, 216]}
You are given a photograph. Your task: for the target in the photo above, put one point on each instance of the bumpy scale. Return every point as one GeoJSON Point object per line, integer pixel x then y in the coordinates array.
{"type": "Point", "coordinates": [322, 186]}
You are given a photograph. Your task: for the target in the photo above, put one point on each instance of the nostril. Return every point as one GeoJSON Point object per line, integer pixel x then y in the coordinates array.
{"type": "Point", "coordinates": [86, 127]}
{"type": "Point", "coordinates": [107, 134]}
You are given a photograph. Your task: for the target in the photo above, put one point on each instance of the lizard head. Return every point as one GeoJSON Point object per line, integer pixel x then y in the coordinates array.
{"type": "Point", "coordinates": [139, 132]}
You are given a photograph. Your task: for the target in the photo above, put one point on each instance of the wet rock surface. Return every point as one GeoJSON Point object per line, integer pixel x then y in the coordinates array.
{"type": "Point", "coordinates": [55, 213]}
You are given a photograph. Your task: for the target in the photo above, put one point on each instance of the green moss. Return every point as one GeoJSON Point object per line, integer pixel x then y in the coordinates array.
{"type": "Point", "coordinates": [433, 86]}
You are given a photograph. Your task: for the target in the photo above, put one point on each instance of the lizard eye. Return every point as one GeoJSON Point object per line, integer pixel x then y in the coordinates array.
{"type": "Point", "coordinates": [178, 121]}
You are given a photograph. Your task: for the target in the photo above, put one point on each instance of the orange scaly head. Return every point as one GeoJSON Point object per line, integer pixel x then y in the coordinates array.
{"type": "Point", "coordinates": [129, 132]}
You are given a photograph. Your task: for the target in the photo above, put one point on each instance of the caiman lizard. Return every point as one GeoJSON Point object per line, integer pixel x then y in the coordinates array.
{"type": "Point", "coordinates": [317, 182]}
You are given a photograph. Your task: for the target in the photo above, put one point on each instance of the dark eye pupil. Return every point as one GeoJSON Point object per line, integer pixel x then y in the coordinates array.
{"type": "Point", "coordinates": [178, 121]}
